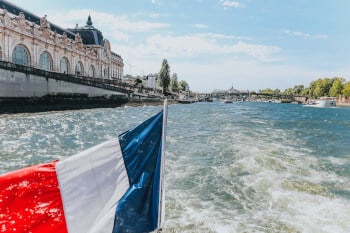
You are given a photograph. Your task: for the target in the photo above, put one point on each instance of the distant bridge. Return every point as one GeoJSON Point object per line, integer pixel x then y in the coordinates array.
{"type": "Point", "coordinates": [248, 95]}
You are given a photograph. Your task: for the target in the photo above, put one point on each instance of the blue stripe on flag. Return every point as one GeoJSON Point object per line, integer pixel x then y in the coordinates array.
{"type": "Point", "coordinates": [137, 210]}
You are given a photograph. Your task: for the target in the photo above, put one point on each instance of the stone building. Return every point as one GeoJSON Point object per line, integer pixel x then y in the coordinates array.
{"type": "Point", "coordinates": [29, 40]}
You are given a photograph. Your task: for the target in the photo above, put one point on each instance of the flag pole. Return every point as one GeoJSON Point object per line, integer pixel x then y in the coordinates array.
{"type": "Point", "coordinates": [161, 209]}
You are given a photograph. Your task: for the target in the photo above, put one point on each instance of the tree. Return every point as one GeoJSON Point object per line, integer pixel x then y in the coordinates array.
{"type": "Point", "coordinates": [164, 76]}
{"type": "Point", "coordinates": [311, 89]}
{"type": "Point", "coordinates": [298, 89]}
{"type": "Point", "coordinates": [183, 86]}
{"type": "Point", "coordinates": [174, 85]}
{"type": "Point", "coordinates": [306, 92]}
{"type": "Point", "coordinates": [322, 87]}
{"type": "Point", "coordinates": [277, 91]}
{"type": "Point", "coordinates": [346, 90]}
{"type": "Point", "coordinates": [337, 87]}
{"type": "Point", "coordinates": [268, 91]}
{"type": "Point", "coordinates": [137, 81]}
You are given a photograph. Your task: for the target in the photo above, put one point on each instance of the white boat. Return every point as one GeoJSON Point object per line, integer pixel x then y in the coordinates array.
{"type": "Point", "coordinates": [277, 101]}
{"type": "Point", "coordinates": [227, 101]}
{"type": "Point", "coordinates": [185, 99]}
{"type": "Point", "coordinates": [323, 102]}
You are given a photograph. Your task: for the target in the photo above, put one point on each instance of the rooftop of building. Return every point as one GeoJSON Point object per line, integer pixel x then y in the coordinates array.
{"type": "Point", "coordinates": [89, 34]}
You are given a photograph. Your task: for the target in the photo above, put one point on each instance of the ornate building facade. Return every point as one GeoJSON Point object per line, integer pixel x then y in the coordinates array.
{"type": "Point", "coordinates": [30, 40]}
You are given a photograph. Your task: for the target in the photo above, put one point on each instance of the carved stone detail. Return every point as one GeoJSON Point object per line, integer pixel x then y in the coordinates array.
{"type": "Point", "coordinates": [7, 19]}
{"type": "Point", "coordinates": [44, 23]}
{"type": "Point", "coordinates": [21, 21]}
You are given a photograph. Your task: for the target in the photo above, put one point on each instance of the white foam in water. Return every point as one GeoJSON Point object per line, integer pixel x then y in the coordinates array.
{"type": "Point", "coordinates": [274, 179]}
{"type": "Point", "coordinates": [306, 206]}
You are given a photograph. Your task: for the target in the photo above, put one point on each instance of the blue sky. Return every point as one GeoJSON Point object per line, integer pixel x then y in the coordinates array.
{"type": "Point", "coordinates": [217, 44]}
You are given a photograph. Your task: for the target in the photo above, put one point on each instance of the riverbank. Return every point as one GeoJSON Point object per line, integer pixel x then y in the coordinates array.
{"type": "Point", "coordinates": [343, 101]}
{"type": "Point", "coordinates": [71, 102]}
{"type": "Point", "coordinates": [343, 104]}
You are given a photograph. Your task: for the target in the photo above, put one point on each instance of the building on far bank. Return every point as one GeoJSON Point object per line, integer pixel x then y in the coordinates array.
{"type": "Point", "coordinates": [29, 40]}
{"type": "Point", "coordinates": [150, 81]}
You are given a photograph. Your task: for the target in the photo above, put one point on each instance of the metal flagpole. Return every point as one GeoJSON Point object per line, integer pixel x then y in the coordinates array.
{"type": "Point", "coordinates": [161, 208]}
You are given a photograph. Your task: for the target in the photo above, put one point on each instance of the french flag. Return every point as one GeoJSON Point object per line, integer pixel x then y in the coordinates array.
{"type": "Point", "coordinates": [116, 186]}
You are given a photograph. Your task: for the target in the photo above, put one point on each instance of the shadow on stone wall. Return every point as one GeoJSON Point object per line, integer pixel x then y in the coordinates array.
{"type": "Point", "coordinates": [58, 103]}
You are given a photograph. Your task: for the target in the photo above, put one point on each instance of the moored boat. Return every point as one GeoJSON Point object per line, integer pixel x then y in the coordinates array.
{"type": "Point", "coordinates": [323, 102]}
{"type": "Point", "coordinates": [227, 101]}
{"type": "Point", "coordinates": [185, 101]}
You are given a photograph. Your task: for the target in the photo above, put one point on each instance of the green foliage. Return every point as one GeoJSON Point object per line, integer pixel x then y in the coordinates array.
{"type": "Point", "coordinates": [288, 91]}
{"type": "Point", "coordinates": [326, 87]}
{"type": "Point", "coordinates": [174, 85]}
{"type": "Point", "coordinates": [164, 76]}
{"type": "Point", "coordinates": [346, 90]}
{"type": "Point", "coordinates": [337, 87]}
{"type": "Point", "coordinates": [269, 91]}
{"type": "Point", "coordinates": [183, 85]}
{"type": "Point", "coordinates": [266, 91]}
{"type": "Point", "coordinates": [296, 91]}
{"type": "Point", "coordinates": [320, 87]}
{"type": "Point", "coordinates": [306, 92]}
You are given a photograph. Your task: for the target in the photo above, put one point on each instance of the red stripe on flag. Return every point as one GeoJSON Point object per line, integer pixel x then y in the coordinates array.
{"type": "Point", "coordinates": [30, 201]}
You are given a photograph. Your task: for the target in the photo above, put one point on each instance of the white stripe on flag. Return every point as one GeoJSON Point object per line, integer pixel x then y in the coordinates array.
{"type": "Point", "coordinates": [91, 183]}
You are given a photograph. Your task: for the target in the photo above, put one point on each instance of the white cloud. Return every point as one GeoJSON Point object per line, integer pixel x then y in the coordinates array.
{"type": "Point", "coordinates": [240, 64]}
{"type": "Point", "coordinates": [227, 3]}
{"type": "Point", "coordinates": [200, 26]}
{"type": "Point", "coordinates": [223, 36]}
{"type": "Point", "coordinates": [156, 2]}
{"type": "Point", "coordinates": [157, 15]}
{"type": "Point", "coordinates": [304, 35]}
{"type": "Point", "coordinates": [261, 52]}
{"type": "Point", "coordinates": [194, 46]}
{"type": "Point", "coordinates": [223, 64]}
{"type": "Point", "coordinates": [120, 30]}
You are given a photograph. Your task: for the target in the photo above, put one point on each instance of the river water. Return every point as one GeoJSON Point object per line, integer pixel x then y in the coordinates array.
{"type": "Point", "coordinates": [241, 167]}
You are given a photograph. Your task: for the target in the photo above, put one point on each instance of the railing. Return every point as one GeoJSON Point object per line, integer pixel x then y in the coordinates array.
{"type": "Point", "coordinates": [109, 84]}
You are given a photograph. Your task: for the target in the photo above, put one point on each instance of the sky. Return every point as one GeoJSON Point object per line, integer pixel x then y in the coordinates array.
{"type": "Point", "coordinates": [218, 44]}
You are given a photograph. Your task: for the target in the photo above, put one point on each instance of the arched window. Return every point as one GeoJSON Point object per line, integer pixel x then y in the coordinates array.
{"type": "Point", "coordinates": [91, 71]}
{"type": "Point", "coordinates": [79, 68]}
{"type": "Point", "coordinates": [64, 65]}
{"type": "Point", "coordinates": [45, 61]}
{"type": "Point", "coordinates": [20, 55]}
